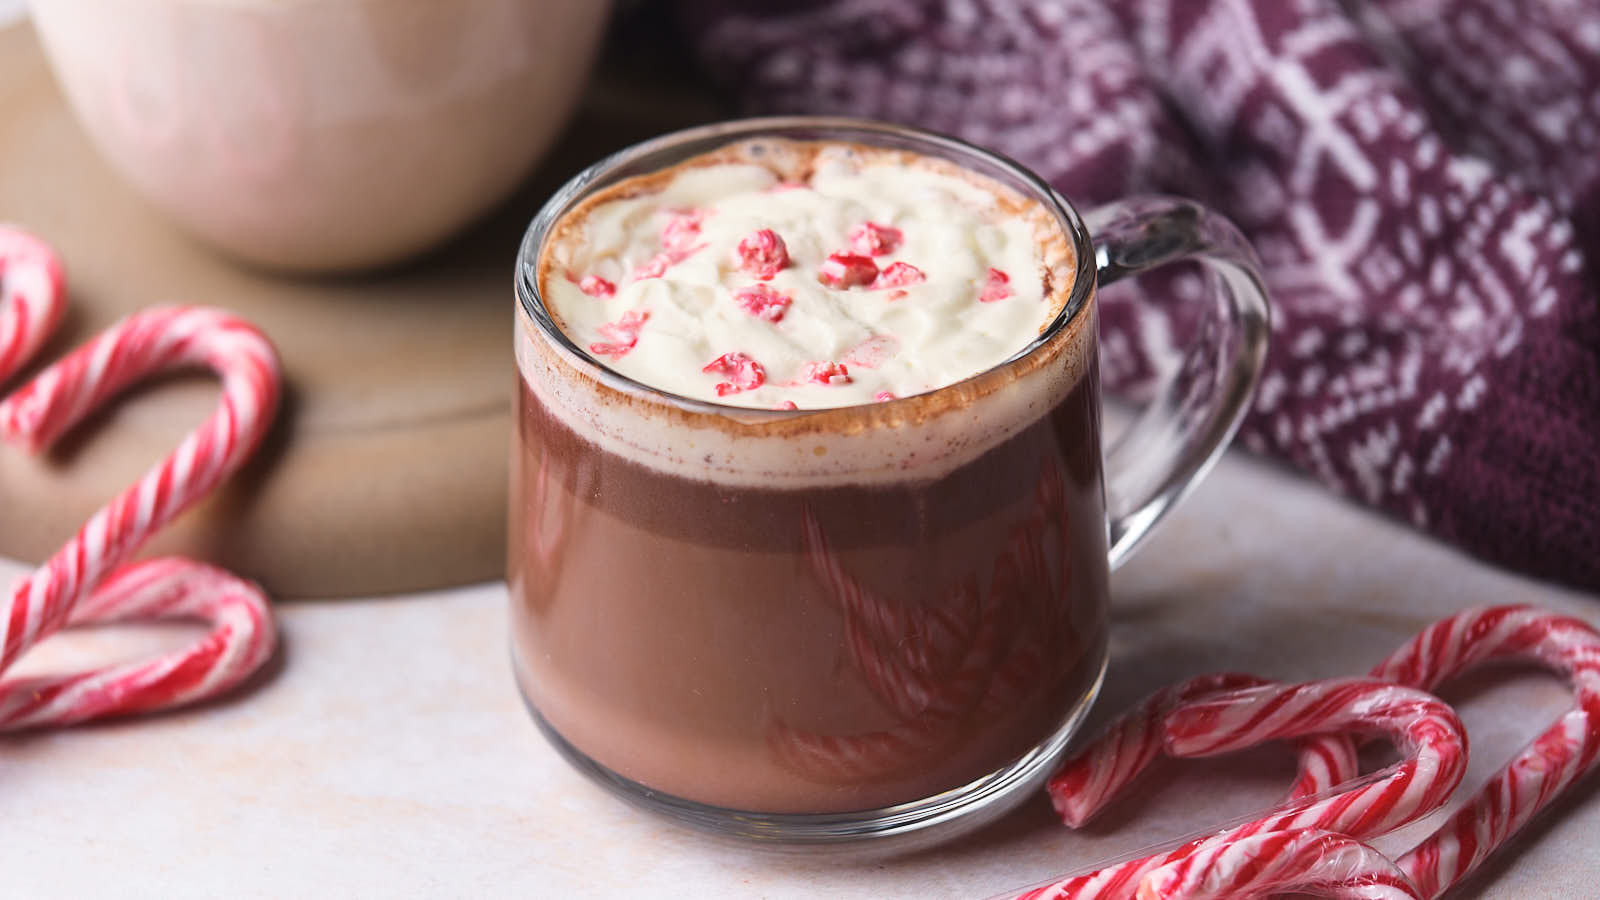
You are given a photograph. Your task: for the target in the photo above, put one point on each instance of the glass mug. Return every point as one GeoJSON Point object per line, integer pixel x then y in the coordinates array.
{"type": "Point", "coordinates": [876, 621]}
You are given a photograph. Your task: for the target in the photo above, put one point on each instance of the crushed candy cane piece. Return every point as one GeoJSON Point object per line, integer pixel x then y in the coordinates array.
{"type": "Point", "coordinates": [898, 275]}
{"type": "Point", "coordinates": [872, 239]}
{"type": "Point", "coordinates": [884, 396]}
{"type": "Point", "coordinates": [595, 286]}
{"type": "Point", "coordinates": [657, 266]}
{"type": "Point", "coordinates": [621, 335]}
{"type": "Point", "coordinates": [682, 230]}
{"type": "Point", "coordinates": [998, 287]}
{"type": "Point", "coordinates": [654, 267]}
{"type": "Point", "coordinates": [743, 373]}
{"type": "Point", "coordinates": [762, 302]}
{"type": "Point", "coordinates": [846, 270]}
{"type": "Point", "coordinates": [762, 254]}
{"type": "Point", "coordinates": [829, 373]}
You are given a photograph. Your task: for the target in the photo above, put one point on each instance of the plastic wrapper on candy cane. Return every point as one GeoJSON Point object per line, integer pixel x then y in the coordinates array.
{"type": "Point", "coordinates": [1425, 729]}
{"type": "Point", "coordinates": [82, 583]}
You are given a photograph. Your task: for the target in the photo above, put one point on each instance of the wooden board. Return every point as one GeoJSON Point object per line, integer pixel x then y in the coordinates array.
{"type": "Point", "coordinates": [387, 469]}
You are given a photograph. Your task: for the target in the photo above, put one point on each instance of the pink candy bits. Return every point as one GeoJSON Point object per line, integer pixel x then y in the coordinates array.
{"type": "Point", "coordinates": [657, 266]}
{"type": "Point", "coordinates": [762, 254]}
{"type": "Point", "coordinates": [830, 373]}
{"type": "Point", "coordinates": [742, 372]}
{"type": "Point", "coordinates": [872, 239]}
{"type": "Point", "coordinates": [595, 286]}
{"type": "Point", "coordinates": [681, 230]}
{"type": "Point", "coordinates": [678, 238]}
{"type": "Point", "coordinates": [996, 287]}
{"type": "Point", "coordinates": [762, 302]}
{"type": "Point", "coordinates": [621, 335]}
{"type": "Point", "coordinates": [898, 275]}
{"type": "Point", "coordinates": [846, 270]}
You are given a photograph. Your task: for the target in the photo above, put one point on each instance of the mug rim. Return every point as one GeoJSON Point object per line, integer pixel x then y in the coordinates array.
{"type": "Point", "coordinates": [710, 137]}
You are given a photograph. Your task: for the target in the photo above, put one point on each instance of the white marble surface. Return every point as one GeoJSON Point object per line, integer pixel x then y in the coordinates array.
{"type": "Point", "coordinates": [390, 756]}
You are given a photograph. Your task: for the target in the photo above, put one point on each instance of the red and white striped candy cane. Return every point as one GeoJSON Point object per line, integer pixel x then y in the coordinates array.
{"type": "Point", "coordinates": [842, 758]}
{"type": "Point", "coordinates": [1097, 774]}
{"type": "Point", "coordinates": [31, 297]}
{"type": "Point", "coordinates": [1426, 731]}
{"type": "Point", "coordinates": [80, 583]}
{"type": "Point", "coordinates": [923, 640]}
{"type": "Point", "coordinates": [1563, 753]}
{"type": "Point", "coordinates": [1566, 751]}
{"type": "Point", "coordinates": [906, 651]}
{"type": "Point", "coordinates": [1323, 862]}
{"type": "Point", "coordinates": [241, 639]}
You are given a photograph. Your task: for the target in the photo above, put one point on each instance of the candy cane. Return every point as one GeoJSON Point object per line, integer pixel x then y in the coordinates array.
{"type": "Point", "coordinates": [842, 758]}
{"type": "Point", "coordinates": [1090, 780]}
{"type": "Point", "coordinates": [1332, 865]}
{"type": "Point", "coordinates": [905, 654]}
{"type": "Point", "coordinates": [1427, 732]}
{"type": "Point", "coordinates": [241, 640]}
{"type": "Point", "coordinates": [31, 297]}
{"type": "Point", "coordinates": [907, 678]}
{"type": "Point", "coordinates": [1565, 752]}
{"type": "Point", "coordinates": [904, 650]}
{"type": "Point", "coordinates": [80, 583]}
{"type": "Point", "coordinates": [1549, 764]}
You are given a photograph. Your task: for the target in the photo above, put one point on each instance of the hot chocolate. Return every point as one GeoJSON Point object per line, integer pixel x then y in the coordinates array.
{"type": "Point", "coordinates": [814, 611]}
{"type": "Point", "coordinates": [781, 274]}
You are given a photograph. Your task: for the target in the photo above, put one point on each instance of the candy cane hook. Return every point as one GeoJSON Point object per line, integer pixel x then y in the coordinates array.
{"type": "Point", "coordinates": [1427, 731]}
{"type": "Point", "coordinates": [82, 582]}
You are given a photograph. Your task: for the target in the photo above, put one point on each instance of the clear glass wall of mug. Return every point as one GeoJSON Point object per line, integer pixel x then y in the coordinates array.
{"type": "Point", "coordinates": [880, 621]}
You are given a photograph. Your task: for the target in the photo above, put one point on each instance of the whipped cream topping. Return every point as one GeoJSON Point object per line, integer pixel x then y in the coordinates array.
{"type": "Point", "coordinates": [775, 278]}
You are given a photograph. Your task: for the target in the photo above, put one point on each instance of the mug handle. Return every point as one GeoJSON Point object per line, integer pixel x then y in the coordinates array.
{"type": "Point", "coordinates": [1195, 412]}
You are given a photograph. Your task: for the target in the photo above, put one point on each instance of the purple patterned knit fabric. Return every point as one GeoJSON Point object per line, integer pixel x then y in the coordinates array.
{"type": "Point", "coordinates": [1420, 177]}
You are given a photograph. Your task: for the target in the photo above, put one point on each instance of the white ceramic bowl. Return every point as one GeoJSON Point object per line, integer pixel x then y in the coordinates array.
{"type": "Point", "coordinates": [320, 135]}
